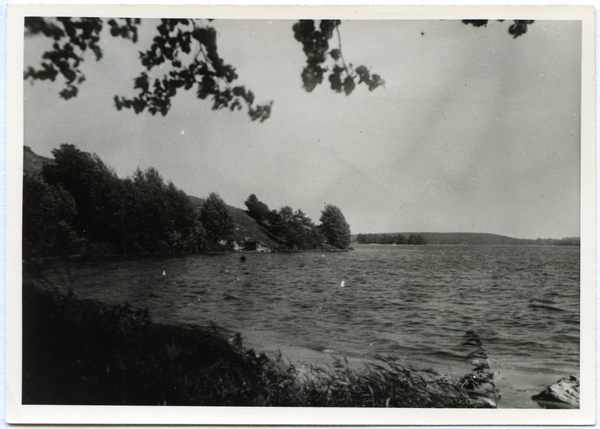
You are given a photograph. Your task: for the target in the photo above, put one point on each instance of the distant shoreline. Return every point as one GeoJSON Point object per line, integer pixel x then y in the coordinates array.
{"type": "Point", "coordinates": [469, 238]}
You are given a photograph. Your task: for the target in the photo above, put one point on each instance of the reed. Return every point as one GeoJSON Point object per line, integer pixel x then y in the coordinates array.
{"type": "Point", "coordinates": [480, 382]}
{"type": "Point", "coordinates": [78, 352]}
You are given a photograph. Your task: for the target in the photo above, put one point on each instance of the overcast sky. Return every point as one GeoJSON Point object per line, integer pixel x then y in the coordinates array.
{"type": "Point", "coordinates": [474, 131]}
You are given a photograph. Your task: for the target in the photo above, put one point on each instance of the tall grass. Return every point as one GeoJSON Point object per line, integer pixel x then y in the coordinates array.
{"type": "Point", "coordinates": [79, 352]}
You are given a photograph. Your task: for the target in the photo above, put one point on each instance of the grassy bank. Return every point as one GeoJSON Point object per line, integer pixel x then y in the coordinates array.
{"type": "Point", "coordinates": [79, 352]}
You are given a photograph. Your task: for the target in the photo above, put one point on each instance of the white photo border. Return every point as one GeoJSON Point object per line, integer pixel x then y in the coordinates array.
{"type": "Point", "coordinates": [18, 413]}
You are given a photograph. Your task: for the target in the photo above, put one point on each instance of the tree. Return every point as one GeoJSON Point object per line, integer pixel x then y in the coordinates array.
{"type": "Point", "coordinates": [134, 215]}
{"type": "Point", "coordinates": [216, 219]}
{"type": "Point", "coordinates": [296, 229]}
{"type": "Point", "coordinates": [165, 219]}
{"type": "Point", "coordinates": [48, 212]}
{"type": "Point", "coordinates": [188, 47]}
{"type": "Point", "coordinates": [256, 208]}
{"type": "Point", "coordinates": [334, 227]}
{"type": "Point", "coordinates": [90, 182]}
{"type": "Point", "coordinates": [187, 234]}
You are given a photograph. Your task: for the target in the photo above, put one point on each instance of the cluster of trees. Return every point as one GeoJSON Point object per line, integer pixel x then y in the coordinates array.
{"type": "Point", "coordinates": [391, 239]}
{"type": "Point", "coordinates": [297, 230]}
{"type": "Point", "coordinates": [78, 204]}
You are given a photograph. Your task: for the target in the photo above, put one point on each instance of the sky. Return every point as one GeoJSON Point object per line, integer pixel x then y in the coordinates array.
{"type": "Point", "coordinates": [474, 131]}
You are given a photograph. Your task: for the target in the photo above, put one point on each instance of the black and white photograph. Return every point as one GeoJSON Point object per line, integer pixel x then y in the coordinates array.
{"type": "Point", "coordinates": [223, 214]}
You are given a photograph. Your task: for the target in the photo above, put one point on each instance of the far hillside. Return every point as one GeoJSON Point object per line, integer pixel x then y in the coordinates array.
{"type": "Point", "coordinates": [471, 238]}
{"type": "Point", "coordinates": [33, 163]}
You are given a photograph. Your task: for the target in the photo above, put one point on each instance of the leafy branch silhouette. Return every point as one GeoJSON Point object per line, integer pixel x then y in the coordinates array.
{"type": "Point", "coordinates": [189, 47]}
{"type": "Point", "coordinates": [205, 69]}
{"type": "Point", "coordinates": [315, 42]}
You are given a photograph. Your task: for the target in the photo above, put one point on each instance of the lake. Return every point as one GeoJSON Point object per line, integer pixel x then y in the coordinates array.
{"type": "Point", "coordinates": [415, 302]}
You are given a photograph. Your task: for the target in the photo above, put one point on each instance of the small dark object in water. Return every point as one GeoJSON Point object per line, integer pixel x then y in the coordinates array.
{"type": "Point", "coordinates": [243, 258]}
{"type": "Point", "coordinates": [562, 394]}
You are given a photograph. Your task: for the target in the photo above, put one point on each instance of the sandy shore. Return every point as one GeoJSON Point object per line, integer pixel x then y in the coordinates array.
{"type": "Point", "coordinates": [516, 387]}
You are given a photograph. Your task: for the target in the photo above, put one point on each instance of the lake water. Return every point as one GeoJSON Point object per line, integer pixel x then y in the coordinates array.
{"type": "Point", "coordinates": [415, 302]}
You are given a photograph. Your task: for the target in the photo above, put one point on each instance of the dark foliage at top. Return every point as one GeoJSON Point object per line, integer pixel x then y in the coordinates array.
{"type": "Point", "coordinates": [518, 28]}
{"type": "Point", "coordinates": [189, 48]}
{"type": "Point", "coordinates": [315, 43]}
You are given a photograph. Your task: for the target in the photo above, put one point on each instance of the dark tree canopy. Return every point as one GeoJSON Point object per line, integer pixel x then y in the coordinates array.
{"type": "Point", "coordinates": [518, 28]}
{"type": "Point", "coordinates": [256, 208]}
{"type": "Point", "coordinates": [315, 42]}
{"type": "Point", "coordinates": [91, 184]}
{"type": "Point", "coordinates": [334, 227]}
{"type": "Point", "coordinates": [48, 212]}
{"type": "Point", "coordinates": [292, 228]}
{"type": "Point", "coordinates": [216, 219]}
{"type": "Point", "coordinates": [189, 46]}
{"type": "Point", "coordinates": [79, 201]}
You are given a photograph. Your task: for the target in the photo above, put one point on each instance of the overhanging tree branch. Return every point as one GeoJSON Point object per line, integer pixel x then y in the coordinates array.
{"type": "Point", "coordinates": [205, 70]}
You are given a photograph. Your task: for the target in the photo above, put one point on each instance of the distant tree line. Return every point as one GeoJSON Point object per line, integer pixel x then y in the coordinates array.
{"type": "Point", "coordinates": [79, 205]}
{"type": "Point", "coordinates": [390, 239]}
{"type": "Point", "coordinates": [572, 241]}
{"type": "Point", "coordinates": [297, 230]}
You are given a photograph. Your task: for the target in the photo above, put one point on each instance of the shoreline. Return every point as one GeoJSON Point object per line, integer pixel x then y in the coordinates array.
{"type": "Point", "coordinates": [42, 308]}
{"type": "Point", "coordinates": [106, 354]}
{"type": "Point", "coordinates": [516, 386]}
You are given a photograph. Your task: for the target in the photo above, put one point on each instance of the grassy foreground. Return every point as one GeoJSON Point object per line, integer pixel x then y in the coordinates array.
{"type": "Point", "coordinates": [78, 352]}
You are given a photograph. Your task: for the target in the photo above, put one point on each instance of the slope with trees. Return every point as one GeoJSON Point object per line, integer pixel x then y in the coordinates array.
{"type": "Point", "coordinates": [292, 228]}
{"type": "Point", "coordinates": [297, 231]}
{"type": "Point", "coordinates": [75, 204]}
{"type": "Point", "coordinates": [78, 201]}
